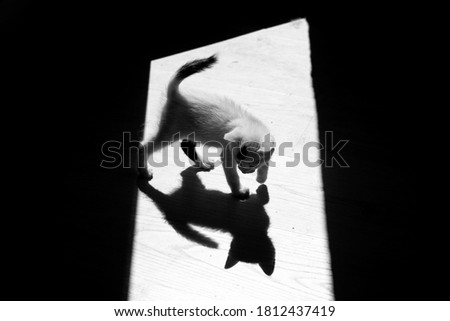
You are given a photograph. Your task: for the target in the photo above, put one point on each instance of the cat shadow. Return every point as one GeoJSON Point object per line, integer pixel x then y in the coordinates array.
{"type": "Point", "coordinates": [193, 205]}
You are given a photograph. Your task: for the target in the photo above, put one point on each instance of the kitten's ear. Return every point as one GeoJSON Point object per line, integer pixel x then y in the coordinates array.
{"type": "Point", "coordinates": [268, 144]}
{"type": "Point", "coordinates": [268, 266]}
{"type": "Point", "coordinates": [231, 261]}
{"type": "Point", "coordinates": [265, 151]}
{"type": "Point", "coordinates": [233, 136]}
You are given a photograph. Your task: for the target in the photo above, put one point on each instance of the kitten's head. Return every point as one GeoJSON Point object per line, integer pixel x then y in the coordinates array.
{"type": "Point", "coordinates": [252, 153]}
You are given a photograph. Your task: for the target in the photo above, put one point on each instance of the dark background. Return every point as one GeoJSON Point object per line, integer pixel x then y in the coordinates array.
{"type": "Point", "coordinates": [77, 77]}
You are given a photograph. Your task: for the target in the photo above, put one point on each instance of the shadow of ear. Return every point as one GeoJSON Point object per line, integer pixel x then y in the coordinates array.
{"type": "Point", "coordinates": [231, 261]}
{"type": "Point", "coordinates": [268, 267]}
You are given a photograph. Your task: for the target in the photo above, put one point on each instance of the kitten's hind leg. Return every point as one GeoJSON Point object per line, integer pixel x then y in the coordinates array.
{"type": "Point", "coordinates": [145, 151]}
{"type": "Point", "coordinates": [142, 168]}
{"type": "Point", "coordinates": [188, 148]}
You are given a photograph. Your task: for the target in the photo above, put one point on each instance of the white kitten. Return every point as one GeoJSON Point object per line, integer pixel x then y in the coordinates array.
{"type": "Point", "coordinates": [245, 142]}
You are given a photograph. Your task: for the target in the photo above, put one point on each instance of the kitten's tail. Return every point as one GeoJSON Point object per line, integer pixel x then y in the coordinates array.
{"type": "Point", "coordinates": [189, 69]}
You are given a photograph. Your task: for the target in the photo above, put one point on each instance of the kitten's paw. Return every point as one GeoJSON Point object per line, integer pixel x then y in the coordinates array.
{"type": "Point", "coordinates": [261, 179]}
{"type": "Point", "coordinates": [205, 166]}
{"type": "Point", "coordinates": [208, 166]}
{"type": "Point", "coordinates": [145, 173]}
{"type": "Point", "coordinates": [242, 194]}
{"type": "Point", "coordinates": [261, 176]}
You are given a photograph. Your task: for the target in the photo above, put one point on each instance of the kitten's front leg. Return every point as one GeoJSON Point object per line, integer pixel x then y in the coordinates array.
{"type": "Point", "coordinates": [230, 169]}
{"type": "Point", "coordinates": [262, 173]}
